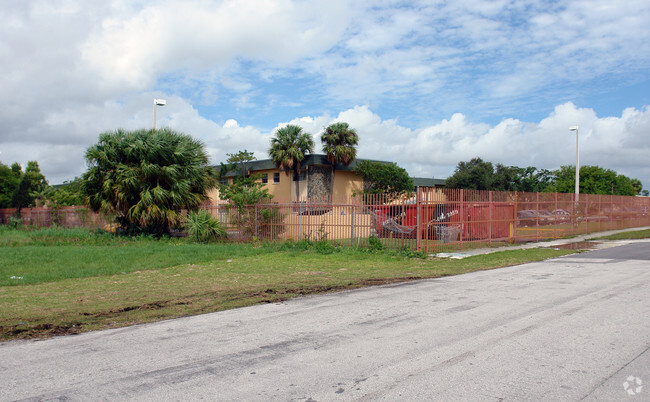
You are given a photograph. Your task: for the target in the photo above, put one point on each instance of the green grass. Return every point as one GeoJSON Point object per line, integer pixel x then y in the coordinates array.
{"type": "Point", "coordinates": [89, 283]}
{"type": "Point", "coordinates": [47, 255]}
{"type": "Point", "coordinates": [632, 235]}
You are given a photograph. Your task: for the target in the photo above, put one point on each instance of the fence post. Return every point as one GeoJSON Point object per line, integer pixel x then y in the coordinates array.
{"type": "Point", "coordinates": [537, 218]}
{"type": "Point", "coordinates": [598, 214]}
{"type": "Point", "coordinates": [490, 206]}
{"type": "Point", "coordinates": [513, 225]}
{"type": "Point", "coordinates": [462, 210]}
{"type": "Point", "coordinates": [418, 222]}
{"type": "Point", "coordinates": [555, 220]}
{"type": "Point", "coordinates": [352, 229]}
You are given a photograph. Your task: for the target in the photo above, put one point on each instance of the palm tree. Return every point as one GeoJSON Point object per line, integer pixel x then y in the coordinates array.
{"type": "Point", "coordinates": [339, 143]}
{"type": "Point", "coordinates": [145, 177]}
{"type": "Point", "coordinates": [288, 149]}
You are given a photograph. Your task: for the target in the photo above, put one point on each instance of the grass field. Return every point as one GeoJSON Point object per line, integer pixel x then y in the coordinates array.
{"type": "Point", "coordinates": [55, 281]}
{"type": "Point", "coordinates": [632, 235]}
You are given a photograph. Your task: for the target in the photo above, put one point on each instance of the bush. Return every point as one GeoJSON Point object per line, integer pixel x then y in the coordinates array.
{"type": "Point", "coordinates": [15, 222]}
{"type": "Point", "coordinates": [203, 227]}
{"type": "Point", "coordinates": [374, 244]}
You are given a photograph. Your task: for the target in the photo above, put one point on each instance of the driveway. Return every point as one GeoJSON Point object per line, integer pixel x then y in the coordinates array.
{"type": "Point", "coordinates": [570, 328]}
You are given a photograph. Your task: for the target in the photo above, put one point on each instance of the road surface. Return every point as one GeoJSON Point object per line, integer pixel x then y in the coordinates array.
{"type": "Point", "coordinates": [570, 328]}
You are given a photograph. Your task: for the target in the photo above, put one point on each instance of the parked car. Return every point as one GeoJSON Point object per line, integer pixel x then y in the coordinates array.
{"type": "Point", "coordinates": [531, 217]}
{"type": "Point", "coordinates": [561, 215]}
{"type": "Point", "coordinates": [527, 217]}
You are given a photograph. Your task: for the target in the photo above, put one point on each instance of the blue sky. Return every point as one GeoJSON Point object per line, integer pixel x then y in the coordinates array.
{"type": "Point", "coordinates": [425, 83]}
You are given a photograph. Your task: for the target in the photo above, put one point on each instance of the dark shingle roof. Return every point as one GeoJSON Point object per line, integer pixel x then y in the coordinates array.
{"type": "Point", "coordinates": [427, 182]}
{"type": "Point", "coordinates": [321, 159]}
{"type": "Point", "coordinates": [311, 159]}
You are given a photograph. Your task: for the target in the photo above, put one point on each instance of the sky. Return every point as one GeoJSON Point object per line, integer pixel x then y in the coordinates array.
{"type": "Point", "coordinates": [426, 84]}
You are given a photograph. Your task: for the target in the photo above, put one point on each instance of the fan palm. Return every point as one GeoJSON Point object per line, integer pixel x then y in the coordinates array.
{"type": "Point", "coordinates": [146, 177]}
{"type": "Point", "coordinates": [339, 144]}
{"type": "Point", "coordinates": [289, 147]}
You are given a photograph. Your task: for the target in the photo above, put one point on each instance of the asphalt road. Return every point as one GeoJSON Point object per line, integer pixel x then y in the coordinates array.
{"type": "Point", "coordinates": [566, 329]}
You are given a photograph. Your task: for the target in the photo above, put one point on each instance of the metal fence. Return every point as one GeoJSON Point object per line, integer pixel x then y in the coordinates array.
{"type": "Point", "coordinates": [68, 217]}
{"type": "Point", "coordinates": [434, 220]}
{"type": "Point", "coordinates": [431, 220]}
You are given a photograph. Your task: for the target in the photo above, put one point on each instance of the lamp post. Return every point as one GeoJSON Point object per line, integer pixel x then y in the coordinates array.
{"type": "Point", "coordinates": [575, 128]}
{"type": "Point", "coordinates": [157, 102]}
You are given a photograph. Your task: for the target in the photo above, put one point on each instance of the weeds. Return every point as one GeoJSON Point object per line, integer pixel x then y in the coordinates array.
{"type": "Point", "coordinates": [374, 244]}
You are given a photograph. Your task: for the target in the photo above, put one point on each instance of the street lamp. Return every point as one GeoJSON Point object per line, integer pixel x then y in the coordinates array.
{"type": "Point", "coordinates": [575, 128]}
{"type": "Point", "coordinates": [157, 102]}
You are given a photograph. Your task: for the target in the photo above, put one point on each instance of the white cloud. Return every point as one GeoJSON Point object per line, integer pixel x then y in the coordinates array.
{"type": "Point", "coordinates": [426, 76]}
{"type": "Point", "coordinates": [197, 35]}
{"type": "Point", "coordinates": [617, 143]}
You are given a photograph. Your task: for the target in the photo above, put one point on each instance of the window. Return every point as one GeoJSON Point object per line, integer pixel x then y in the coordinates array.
{"type": "Point", "coordinates": [265, 178]}
{"type": "Point", "coordinates": [276, 178]}
{"type": "Point", "coordinates": [223, 181]}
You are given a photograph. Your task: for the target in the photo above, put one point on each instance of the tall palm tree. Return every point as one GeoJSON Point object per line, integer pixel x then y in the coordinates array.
{"type": "Point", "coordinates": [288, 148]}
{"type": "Point", "coordinates": [339, 143]}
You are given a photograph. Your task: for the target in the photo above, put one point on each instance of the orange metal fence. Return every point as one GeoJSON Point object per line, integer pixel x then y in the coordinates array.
{"type": "Point", "coordinates": [69, 217]}
{"type": "Point", "coordinates": [434, 220]}
{"type": "Point", "coordinates": [431, 220]}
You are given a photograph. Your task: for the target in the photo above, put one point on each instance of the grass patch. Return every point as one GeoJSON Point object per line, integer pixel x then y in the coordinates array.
{"type": "Point", "coordinates": [71, 287]}
{"type": "Point", "coordinates": [632, 235]}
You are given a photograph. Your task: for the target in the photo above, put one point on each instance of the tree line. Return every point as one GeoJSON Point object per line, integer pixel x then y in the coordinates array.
{"type": "Point", "coordinates": [29, 188]}
{"type": "Point", "coordinates": [478, 174]}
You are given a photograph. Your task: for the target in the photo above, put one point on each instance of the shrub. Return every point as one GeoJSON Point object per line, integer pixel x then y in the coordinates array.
{"type": "Point", "coordinates": [15, 222]}
{"type": "Point", "coordinates": [374, 244]}
{"type": "Point", "coordinates": [203, 227]}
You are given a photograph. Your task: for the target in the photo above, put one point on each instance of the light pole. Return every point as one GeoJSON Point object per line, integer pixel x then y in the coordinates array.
{"type": "Point", "coordinates": [575, 128]}
{"type": "Point", "coordinates": [157, 102]}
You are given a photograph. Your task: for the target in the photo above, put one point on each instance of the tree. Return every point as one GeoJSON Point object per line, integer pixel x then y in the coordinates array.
{"type": "Point", "coordinates": [473, 175]}
{"type": "Point", "coordinates": [637, 185]}
{"type": "Point", "coordinates": [245, 190]}
{"type": "Point", "coordinates": [146, 177]}
{"type": "Point", "coordinates": [245, 194]}
{"type": "Point", "coordinates": [288, 148]}
{"type": "Point", "coordinates": [339, 144]}
{"type": "Point", "coordinates": [480, 175]}
{"type": "Point", "coordinates": [384, 178]}
{"type": "Point", "coordinates": [239, 161]}
{"type": "Point", "coordinates": [67, 194]}
{"type": "Point", "coordinates": [8, 184]}
{"type": "Point", "coordinates": [593, 180]}
{"type": "Point", "coordinates": [513, 178]}
{"type": "Point", "coordinates": [32, 183]}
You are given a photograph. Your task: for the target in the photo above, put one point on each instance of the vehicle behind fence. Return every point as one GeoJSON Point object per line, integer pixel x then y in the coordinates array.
{"type": "Point", "coordinates": [431, 220]}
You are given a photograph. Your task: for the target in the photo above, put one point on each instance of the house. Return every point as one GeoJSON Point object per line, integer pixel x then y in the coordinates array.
{"type": "Point", "coordinates": [314, 181]}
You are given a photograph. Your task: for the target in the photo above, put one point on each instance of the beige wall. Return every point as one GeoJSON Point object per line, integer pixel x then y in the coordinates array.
{"type": "Point", "coordinates": [345, 185]}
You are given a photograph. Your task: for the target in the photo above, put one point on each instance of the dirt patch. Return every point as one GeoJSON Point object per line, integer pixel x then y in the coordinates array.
{"type": "Point", "coordinates": [41, 331]}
